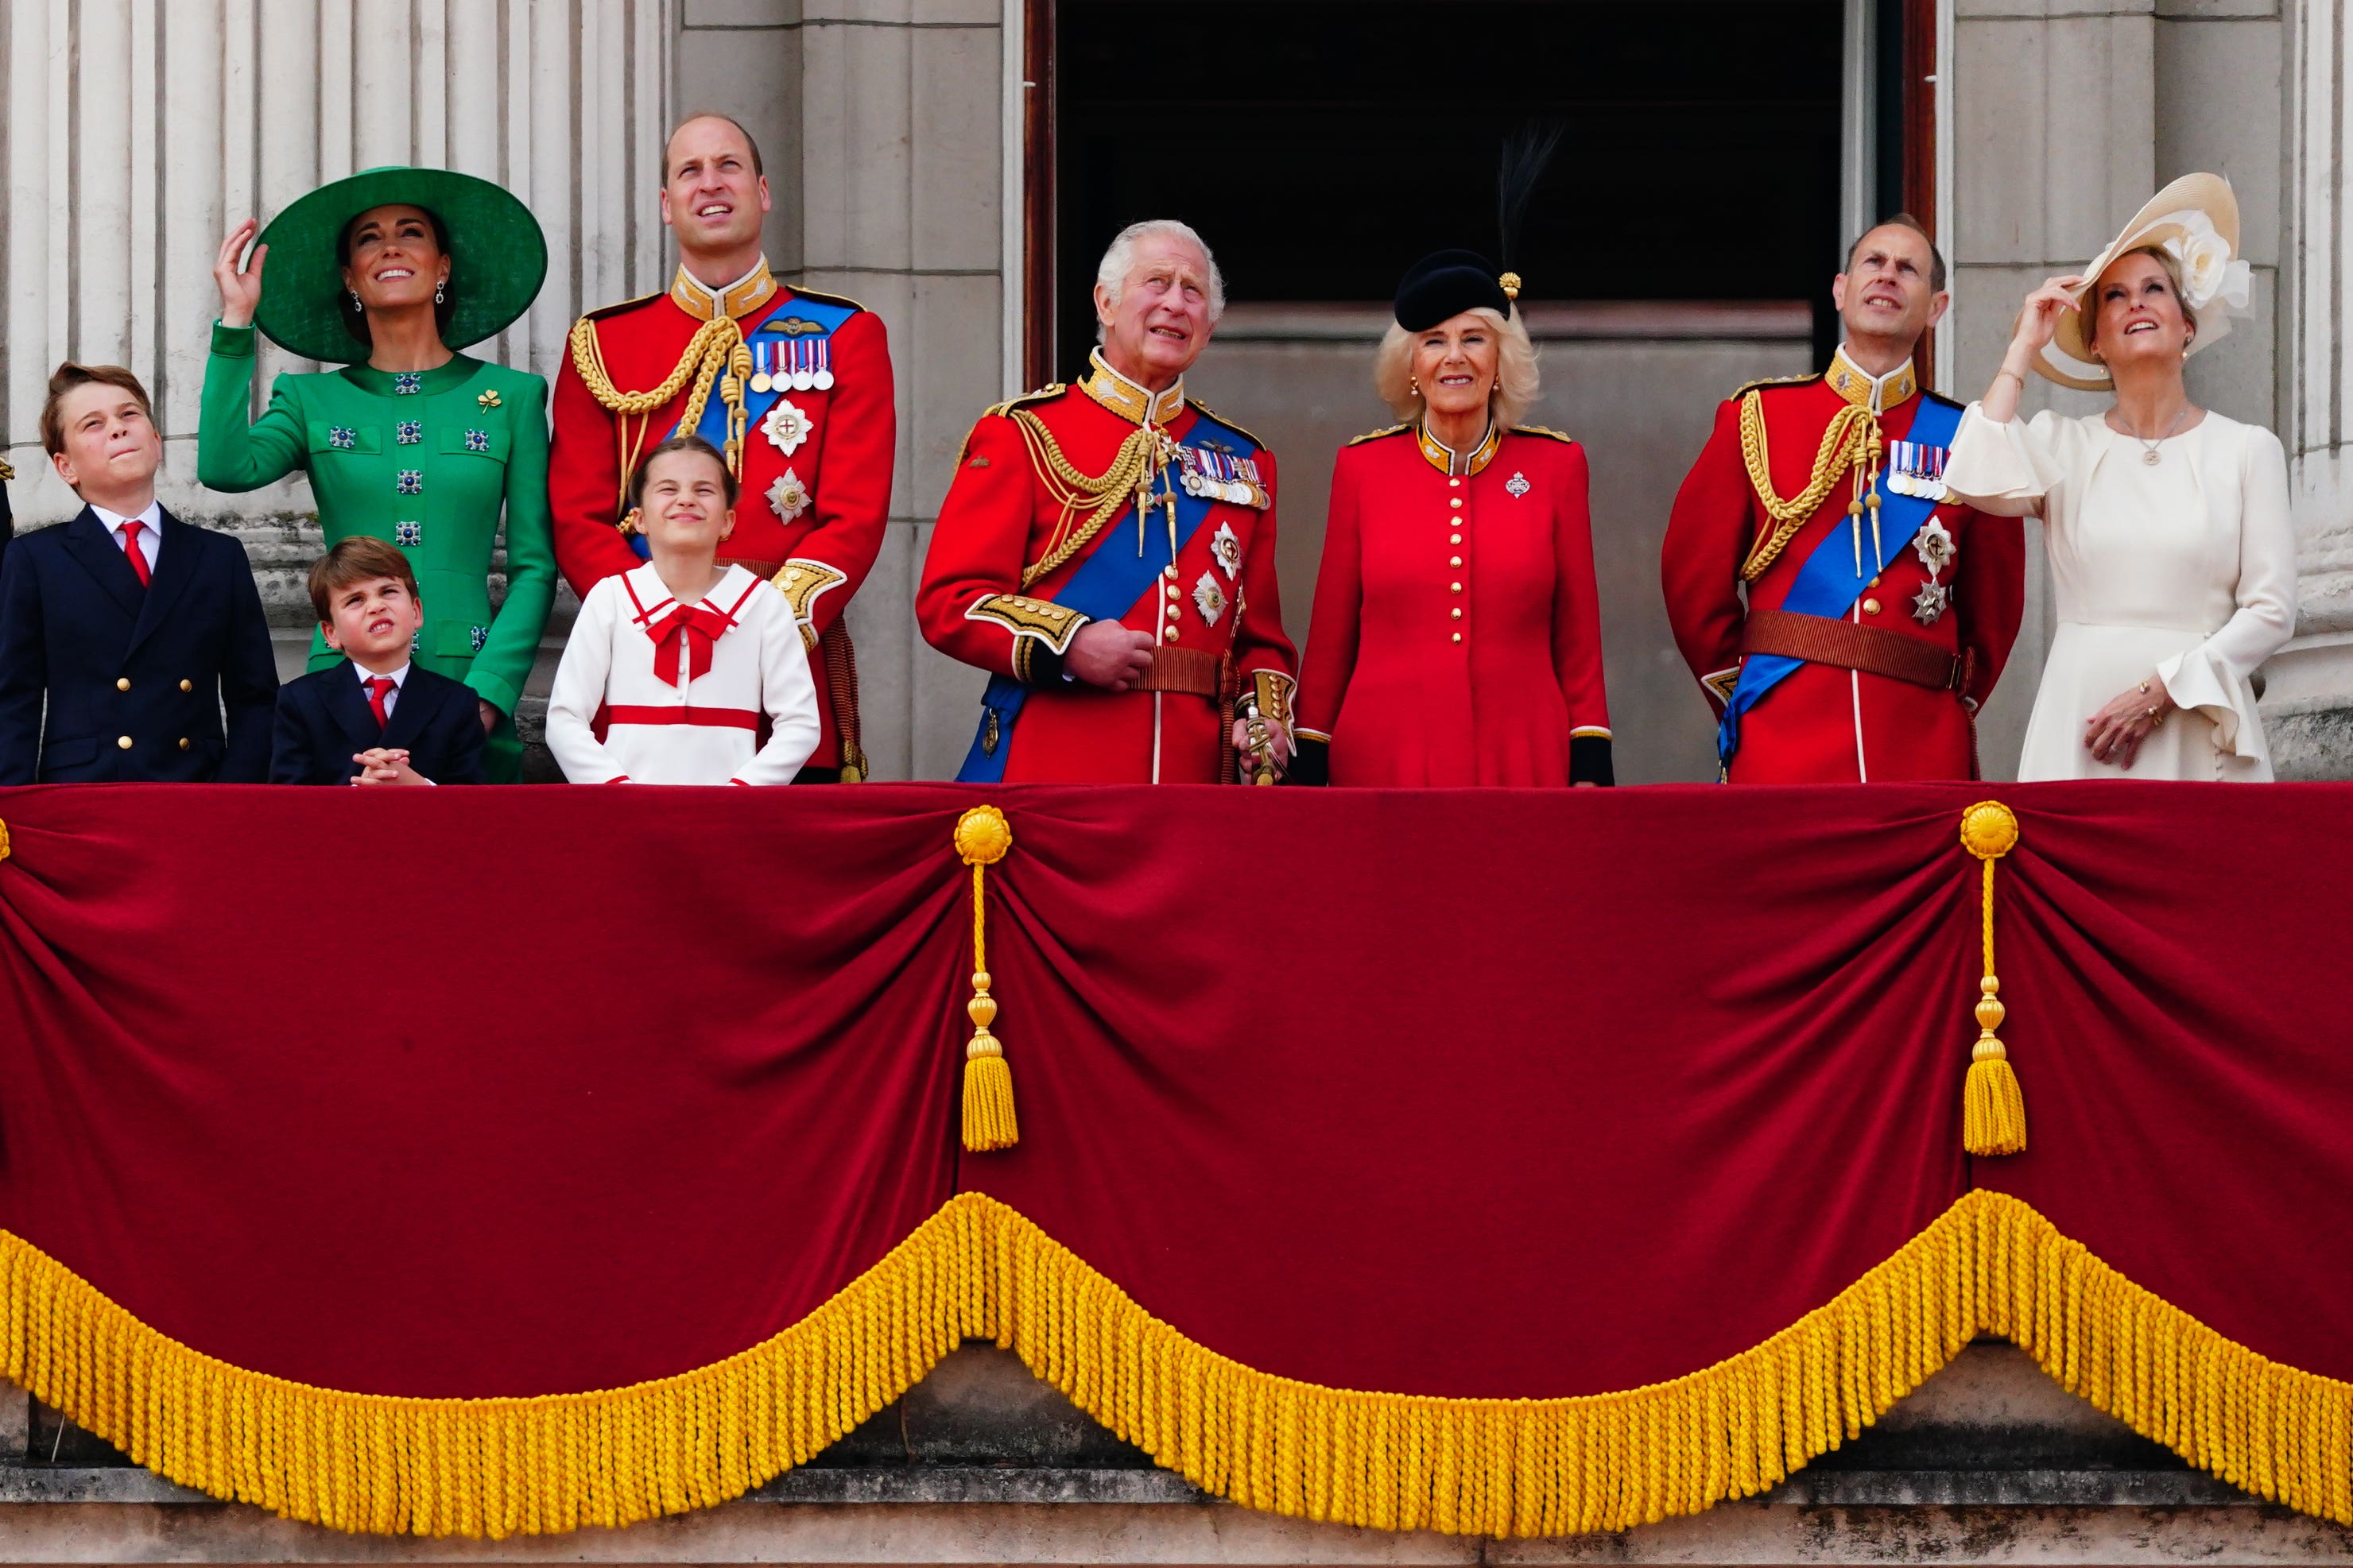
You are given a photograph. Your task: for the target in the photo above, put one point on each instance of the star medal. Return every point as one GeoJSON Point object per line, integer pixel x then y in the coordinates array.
{"type": "Point", "coordinates": [1930, 604]}
{"type": "Point", "coordinates": [785, 426]}
{"type": "Point", "coordinates": [1518, 485]}
{"type": "Point", "coordinates": [1208, 598]}
{"type": "Point", "coordinates": [788, 496]}
{"type": "Point", "coordinates": [1226, 550]}
{"type": "Point", "coordinates": [1935, 547]}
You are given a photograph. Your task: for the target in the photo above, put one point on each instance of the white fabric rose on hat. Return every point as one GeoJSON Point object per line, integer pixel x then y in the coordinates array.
{"type": "Point", "coordinates": [2208, 272]}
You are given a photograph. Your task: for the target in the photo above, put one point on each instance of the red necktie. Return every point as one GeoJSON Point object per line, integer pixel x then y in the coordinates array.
{"type": "Point", "coordinates": [379, 688]}
{"type": "Point", "coordinates": [700, 626]}
{"type": "Point", "coordinates": [131, 548]}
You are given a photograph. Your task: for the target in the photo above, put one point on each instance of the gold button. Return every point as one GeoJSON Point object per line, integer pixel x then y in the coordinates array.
{"type": "Point", "coordinates": [1454, 484]}
{"type": "Point", "coordinates": [1455, 587]}
{"type": "Point", "coordinates": [1457, 636]}
{"type": "Point", "coordinates": [1172, 634]}
{"type": "Point", "coordinates": [1169, 571]}
{"type": "Point", "coordinates": [183, 742]}
{"type": "Point", "coordinates": [1872, 583]}
{"type": "Point", "coordinates": [1454, 560]}
{"type": "Point", "coordinates": [1456, 501]}
{"type": "Point", "coordinates": [1453, 539]}
{"type": "Point", "coordinates": [125, 742]}
{"type": "Point", "coordinates": [1456, 612]}
{"type": "Point", "coordinates": [1871, 606]}
{"type": "Point", "coordinates": [1173, 591]}
{"type": "Point", "coordinates": [187, 685]}
{"type": "Point", "coordinates": [122, 683]}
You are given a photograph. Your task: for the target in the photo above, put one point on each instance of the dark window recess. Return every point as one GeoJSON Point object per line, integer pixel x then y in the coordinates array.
{"type": "Point", "coordinates": [1320, 147]}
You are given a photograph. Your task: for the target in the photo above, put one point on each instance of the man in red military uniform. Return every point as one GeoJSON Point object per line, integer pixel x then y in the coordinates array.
{"type": "Point", "coordinates": [793, 386]}
{"type": "Point", "coordinates": [1877, 617]}
{"type": "Point", "coordinates": [1107, 552]}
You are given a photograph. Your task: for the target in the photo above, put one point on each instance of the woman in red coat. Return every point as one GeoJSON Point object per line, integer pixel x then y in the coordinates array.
{"type": "Point", "coordinates": [1457, 636]}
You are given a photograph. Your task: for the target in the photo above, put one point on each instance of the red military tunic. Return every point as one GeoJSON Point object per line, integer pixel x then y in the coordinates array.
{"type": "Point", "coordinates": [811, 518]}
{"type": "Point", "coordinates": [1457, 635]}
{"type": "Point", "coordinates": [1216, 609]}
{"type": "Point", "coordinates": [1827, 724]}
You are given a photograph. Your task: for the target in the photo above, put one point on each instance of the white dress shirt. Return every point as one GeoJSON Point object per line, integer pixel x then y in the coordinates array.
{"type": "Point", "coordinates": [151, 537]}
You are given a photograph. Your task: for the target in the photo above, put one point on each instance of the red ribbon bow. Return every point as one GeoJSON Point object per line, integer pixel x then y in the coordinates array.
{"type": "Point", "coordinates": [700, 626]}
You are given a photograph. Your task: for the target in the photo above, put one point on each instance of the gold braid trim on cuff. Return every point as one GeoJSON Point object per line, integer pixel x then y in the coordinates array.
{"type": "Point", "coordinates": [1851, 441]}
{"type": "Point", "coordinates": [978, 1268]}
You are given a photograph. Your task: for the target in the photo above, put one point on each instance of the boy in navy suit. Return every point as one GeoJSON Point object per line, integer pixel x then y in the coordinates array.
{"type": "Point", "coordinates": [376, 718]}
{"type": "Point", "coordinates": [133, 628]}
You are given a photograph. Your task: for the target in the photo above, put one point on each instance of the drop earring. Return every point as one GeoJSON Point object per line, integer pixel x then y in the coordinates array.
{"type": "Point", "coordinates": [356, 300]}
{"type": "Point", "coordinates": [1413, 383]}
{"type": "Point", "coordinates": [437, 290]}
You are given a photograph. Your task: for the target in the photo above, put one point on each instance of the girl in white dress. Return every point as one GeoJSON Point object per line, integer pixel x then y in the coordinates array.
{"type": "Point", "coordinates": [683, 658]}
{"type": "Point", "coordinates": [2172, 550]}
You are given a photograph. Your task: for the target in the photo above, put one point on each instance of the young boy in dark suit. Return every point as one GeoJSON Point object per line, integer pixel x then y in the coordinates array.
{"type": "Point", "coordinates": [376, 718]}
{"type": "Point", "coordinates": [134, 630]}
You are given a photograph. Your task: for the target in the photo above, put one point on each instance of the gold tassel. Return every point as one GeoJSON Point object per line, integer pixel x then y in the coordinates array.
{"type": "Point", "coordinates": [983, 837]}
{"type": "Point", "coordinates": [1993, 1112]}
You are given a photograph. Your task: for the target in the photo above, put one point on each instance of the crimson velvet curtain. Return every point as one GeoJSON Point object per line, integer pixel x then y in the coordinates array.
{"type": "Point", "coordinates": [481, 1161]}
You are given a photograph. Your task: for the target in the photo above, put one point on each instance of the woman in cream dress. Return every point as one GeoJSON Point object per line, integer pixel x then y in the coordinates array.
{"type": "Point", "coordinates": [2172, 553]}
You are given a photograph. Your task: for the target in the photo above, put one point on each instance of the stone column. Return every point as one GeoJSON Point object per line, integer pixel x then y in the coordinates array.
{"type": "Point", "coordinates": [2308, 697]}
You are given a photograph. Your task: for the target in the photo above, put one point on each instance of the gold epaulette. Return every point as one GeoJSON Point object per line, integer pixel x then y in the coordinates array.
{"type": "Point", "coordinates": [1747, 387]}
{"type": "Point", "coordinates": [1045, 394]}
{"type": "Point", "coordinates": [844, 300]}
{"type": "Point", "coordinates": [601, 311]}
{"type": "Point", "coordinates": [1544, 430]}
{"type": "Point", "coordinates": [1376, 434]}
{"type": "Point", "coordinates": [1208, 413]}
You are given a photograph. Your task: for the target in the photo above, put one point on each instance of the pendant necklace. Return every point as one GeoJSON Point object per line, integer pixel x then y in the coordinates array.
{"type": "Point", "coordinates": [2148, 448]}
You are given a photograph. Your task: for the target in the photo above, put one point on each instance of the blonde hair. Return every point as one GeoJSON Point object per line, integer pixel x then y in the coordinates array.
{"type": "Point", "coordinates": [2091, 307]}
{"type": "Point", "coordinates": [1516, 380]}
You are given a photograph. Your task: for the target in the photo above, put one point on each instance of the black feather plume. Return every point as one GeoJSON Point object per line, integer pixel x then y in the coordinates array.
{"type": "Point", "coordinates": [1526, 152]}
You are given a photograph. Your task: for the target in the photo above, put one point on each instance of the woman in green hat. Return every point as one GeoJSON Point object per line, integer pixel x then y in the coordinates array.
{"type": "Point", "coordinates": [389, 273]}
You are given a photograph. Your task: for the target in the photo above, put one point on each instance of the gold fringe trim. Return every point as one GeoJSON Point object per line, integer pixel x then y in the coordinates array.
{"type": "Point", "coordinates": [1990, 1264]}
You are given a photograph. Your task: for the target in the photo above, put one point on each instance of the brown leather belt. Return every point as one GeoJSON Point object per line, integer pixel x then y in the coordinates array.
{"type": "Point", "coordinates": [1818, 639]}
{"type": "Point", "coordinates": [1185, 669]}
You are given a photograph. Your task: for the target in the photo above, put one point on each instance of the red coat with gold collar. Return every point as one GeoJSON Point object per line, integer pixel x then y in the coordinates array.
{"type": "Point", "coordinates": [1826, 723]}
{"type": "Point", "coordinates": [811, 519]}
{"type": "Point", "coordinates": [1006, 544]}
{"type": "Point", "coordinates": [1457, 636]}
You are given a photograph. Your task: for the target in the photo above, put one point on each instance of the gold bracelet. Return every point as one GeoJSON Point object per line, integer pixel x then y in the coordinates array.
{"type": "Point", "coordinates": [2012, 374]}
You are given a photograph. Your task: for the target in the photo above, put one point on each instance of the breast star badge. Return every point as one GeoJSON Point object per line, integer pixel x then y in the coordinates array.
{"type": "Point", "coordinates": [1935, 547]}
{"type": "Point", "coordinates": [785, 426]}
{"type": "Point", "coordinates": [1518, 485]}
{"type": "Point", "coordinates": [789, 496]}
{"type": "Point", "coordinates": [1209, 598]}
{"type": "Point", "coordinates": [1226, 550]}
{"type": "Point", "coordinates": [1930, 604]}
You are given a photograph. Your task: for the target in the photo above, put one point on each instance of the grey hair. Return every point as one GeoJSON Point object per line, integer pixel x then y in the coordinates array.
{"type": "Point", "coordinates": [1111, 276]}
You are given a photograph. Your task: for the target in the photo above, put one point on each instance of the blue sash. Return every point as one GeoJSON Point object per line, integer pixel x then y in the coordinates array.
{"type": "Point", "coordinates": [1828, 584]}
{"type": "Point", "coordinates": [713, 425]}
{"type": "Point", "coordinates": [1106, 586]}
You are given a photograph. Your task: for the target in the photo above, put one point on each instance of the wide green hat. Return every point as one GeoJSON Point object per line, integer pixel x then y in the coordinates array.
{"type": "Point", "coordinates": [498, 259]}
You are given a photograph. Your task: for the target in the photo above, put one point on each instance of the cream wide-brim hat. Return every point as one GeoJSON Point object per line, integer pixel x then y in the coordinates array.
{"type": "Point", "coordinates": [2191, 207]}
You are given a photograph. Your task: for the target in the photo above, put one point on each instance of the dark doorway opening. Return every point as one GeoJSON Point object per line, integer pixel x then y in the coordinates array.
{"type": "Point", "coordinates": [1321, 146]}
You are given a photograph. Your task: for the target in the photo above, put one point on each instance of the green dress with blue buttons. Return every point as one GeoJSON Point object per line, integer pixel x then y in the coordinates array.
{"type": "Point", "coordinates": [427, 460]}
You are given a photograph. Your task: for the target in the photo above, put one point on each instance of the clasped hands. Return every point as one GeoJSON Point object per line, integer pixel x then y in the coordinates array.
{"type": "Point", "coordinates": [2114, 733]}
{"type": "Point", "coordinates": [386, 766]}
{"type": "Point", "coordinates": [1112, 657]}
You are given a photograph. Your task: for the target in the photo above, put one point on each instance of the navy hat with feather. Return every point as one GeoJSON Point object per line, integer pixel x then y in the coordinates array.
{"type": "Point", "coordinates": [1446, 283]}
